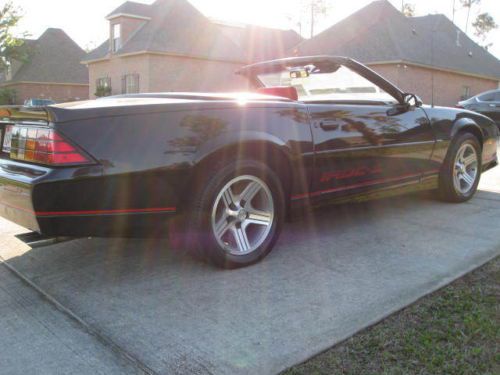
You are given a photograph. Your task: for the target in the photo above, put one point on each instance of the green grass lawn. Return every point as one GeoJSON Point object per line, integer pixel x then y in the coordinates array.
{"type": "Point", "coordinates": [453, 331]}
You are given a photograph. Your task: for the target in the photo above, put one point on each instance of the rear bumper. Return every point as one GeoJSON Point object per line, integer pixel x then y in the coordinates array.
{"type": "Point", "coordinates": [16, 193]}
{"type": "Point", "coordinates": [16, 204]}
{"type": "Point", "coordinates": [76, 202]}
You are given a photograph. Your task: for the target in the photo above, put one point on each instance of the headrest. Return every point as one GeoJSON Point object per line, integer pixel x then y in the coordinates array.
{"type": "Point", "coordinates": [281, 91]}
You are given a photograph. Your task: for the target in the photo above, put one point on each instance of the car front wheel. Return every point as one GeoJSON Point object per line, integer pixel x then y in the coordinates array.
{"type": "Point", "coordinates": [461, 170]}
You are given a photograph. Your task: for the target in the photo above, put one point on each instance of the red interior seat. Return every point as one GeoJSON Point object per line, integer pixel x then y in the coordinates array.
{"type": "Point", "coordinates": [281, 91]}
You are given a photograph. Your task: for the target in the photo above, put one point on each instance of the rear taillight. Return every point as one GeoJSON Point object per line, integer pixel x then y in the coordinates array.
{"type": "Point", "coordinates": [43, 146]}
{"type": "Point", "coordinates": [7, 138]}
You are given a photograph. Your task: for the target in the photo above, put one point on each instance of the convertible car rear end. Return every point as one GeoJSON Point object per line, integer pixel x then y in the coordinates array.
{"type": "Point", "coordinates": [232, 166]}
{"type": "Point", "coordinates": [124, 165]}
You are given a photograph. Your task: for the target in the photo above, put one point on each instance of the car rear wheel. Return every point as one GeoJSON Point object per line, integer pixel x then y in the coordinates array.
{"type": "Point", "coordinates": [461, 170]}
{"type": "Point", "coordinates": [238, 214]}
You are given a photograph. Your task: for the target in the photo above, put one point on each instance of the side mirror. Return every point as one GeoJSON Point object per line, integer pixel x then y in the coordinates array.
{"type": "Point", "coordinates": [412, 100]}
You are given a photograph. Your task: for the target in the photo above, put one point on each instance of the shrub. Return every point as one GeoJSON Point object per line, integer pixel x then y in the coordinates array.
{"type": "Point", "coordinates": [7, 96]}
{"type": "Point", "coordinates": [103, 91]}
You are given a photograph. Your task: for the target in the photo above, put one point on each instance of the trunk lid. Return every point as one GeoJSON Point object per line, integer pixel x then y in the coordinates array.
{"type": "Point", "coordinates": [138, 104]}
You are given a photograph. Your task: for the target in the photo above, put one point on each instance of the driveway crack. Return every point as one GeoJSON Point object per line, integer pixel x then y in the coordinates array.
{"type": "Point", "coordinates": [86, 327]}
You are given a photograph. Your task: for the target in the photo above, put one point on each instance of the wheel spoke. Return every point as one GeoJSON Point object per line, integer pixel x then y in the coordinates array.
{"type": "Point", "coordinates": [258, 217]}
{"type": "Point", "coordinates": [228, 198]}
{"type": "Point", "coordinates": [467, 178]}
{"type": "Point", "coordinates": [222, 227]}
{"type": "Point", "coordinates": [462, 153]}
{"type": "Point", "coordinates": [250, 192]}
{"type": "Point", "coordinates": [469, 160]}
{"type": "Point", "coordinates": [241, 239]}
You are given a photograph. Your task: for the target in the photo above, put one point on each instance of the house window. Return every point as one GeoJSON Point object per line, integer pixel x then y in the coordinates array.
{"type": "Point", "coordinates": [465, 92]}
{"type": "Point", "coordinates": [103, 86]}
{"type": "Point", "coordinates": [130, 84]}
{"type": "Point", "coordinates": [103, 82]}
{"type": "Point", "coordinates": [116, 37]}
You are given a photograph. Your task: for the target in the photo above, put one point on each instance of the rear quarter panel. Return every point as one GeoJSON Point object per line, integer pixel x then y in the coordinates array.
{"type": "Point", "coordinates": [148, 159]}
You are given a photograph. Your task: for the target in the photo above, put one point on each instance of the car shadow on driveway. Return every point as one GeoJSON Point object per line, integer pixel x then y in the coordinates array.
{"type": "Point", "coordinates": [332, 273]}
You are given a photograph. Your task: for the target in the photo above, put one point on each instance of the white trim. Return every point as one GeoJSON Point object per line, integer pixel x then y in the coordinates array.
{"type": "Point", "coordinates": [105, 58]}
{"type": "Point", "coordinates": [160, 53]}
{"type": "Point", "coordinates": [127, 15]}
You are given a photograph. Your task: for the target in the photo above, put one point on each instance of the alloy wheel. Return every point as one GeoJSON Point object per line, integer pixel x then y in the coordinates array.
{"type": "Point", "coordinates": [465, 168]}
{"type": "Point", "coordinates": [243, 215]}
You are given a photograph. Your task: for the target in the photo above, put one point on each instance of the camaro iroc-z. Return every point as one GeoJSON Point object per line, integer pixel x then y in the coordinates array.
{"type": "Point", "coordinates": [316, 130]}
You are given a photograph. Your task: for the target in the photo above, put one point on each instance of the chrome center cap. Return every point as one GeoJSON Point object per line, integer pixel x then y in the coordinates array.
{"type": "Point", "coordinates": [242, 215]}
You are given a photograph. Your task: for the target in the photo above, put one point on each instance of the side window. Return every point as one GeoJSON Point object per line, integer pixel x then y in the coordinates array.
{"type": "Point", "coordinates": [488, 97]}
{"type": "Point", "coordinates": [497, 96]}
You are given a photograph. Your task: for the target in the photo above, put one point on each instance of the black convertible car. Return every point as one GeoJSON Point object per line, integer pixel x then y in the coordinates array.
{"type": "Point", "coordinates": [317, 130]}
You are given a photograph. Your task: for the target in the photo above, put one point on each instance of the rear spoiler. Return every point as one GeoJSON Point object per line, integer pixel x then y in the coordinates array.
{"type": "Point", "coordinates": [14, 114]}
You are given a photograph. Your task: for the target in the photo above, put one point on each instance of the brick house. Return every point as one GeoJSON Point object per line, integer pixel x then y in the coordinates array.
{"type": "Point", "coordinates": [51, 71]}
{"type": "Point", "coordinates": [170, 46]}
{"type": "Point", "coordinates": [426, 55]}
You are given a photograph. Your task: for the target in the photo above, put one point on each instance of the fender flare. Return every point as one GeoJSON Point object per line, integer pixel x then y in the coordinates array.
{"type": "Point", "coordinates": [469, 124]}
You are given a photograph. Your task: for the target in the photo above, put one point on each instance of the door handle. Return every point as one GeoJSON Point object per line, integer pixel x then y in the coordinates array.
{"type": "Point", "coordinates": [329, 125]}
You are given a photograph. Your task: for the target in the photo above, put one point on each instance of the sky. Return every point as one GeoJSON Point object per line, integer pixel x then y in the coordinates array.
{"type": "Point", "coordinates": [84, 20]}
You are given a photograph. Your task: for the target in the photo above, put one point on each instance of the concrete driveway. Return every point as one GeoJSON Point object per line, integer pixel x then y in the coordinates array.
{"type": "Point", "coordinates": [145, 307]}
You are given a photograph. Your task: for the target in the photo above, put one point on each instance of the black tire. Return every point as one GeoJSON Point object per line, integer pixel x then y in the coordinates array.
{"type": "Point", "coordinates": [202, 236]}
{"type": "Point", "coordinates": [447, 190]}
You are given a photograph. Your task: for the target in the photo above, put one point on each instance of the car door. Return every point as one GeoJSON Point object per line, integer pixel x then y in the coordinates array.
{"type": "Point", "coordinates": [361, 147]}
{"type": "Point", "coordinates": [365, 132]}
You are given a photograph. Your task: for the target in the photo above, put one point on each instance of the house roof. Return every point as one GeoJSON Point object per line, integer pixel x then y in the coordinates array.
{"type": "Point", "coordinates": [261, 43]}
{"type": "Point", "coordinates": [54, 57]}
{"type": "Point", "coordinates": [131, 8]}
{"type": "Point", "coordinates": [98, 53]}
{"type": "Point", "coordinates": [178, 28]}
{"type": "Point", "coordinates": [380, 33]}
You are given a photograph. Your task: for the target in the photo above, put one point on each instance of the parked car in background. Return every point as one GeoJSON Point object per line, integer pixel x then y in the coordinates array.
{"type": "Point", "coordinates": [38, 103]}
{"type": "Point", "coordinates": [486, 103]}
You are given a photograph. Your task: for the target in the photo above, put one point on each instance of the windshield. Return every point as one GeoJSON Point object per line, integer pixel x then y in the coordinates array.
{"type": "Point", "coordinates": [313, 85]}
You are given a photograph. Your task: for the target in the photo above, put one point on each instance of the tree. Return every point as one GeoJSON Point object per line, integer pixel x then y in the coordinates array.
{"type": "Point", "coordinates": [11, 48]}
{"type": "Point", "coordinates": [468, 4]}
{"type": "Point", "coordinates": [483, 24]}
{"type": "Point", "coordinates": [408, 9]}
{"type": "Point", "coordinates": [313, 10]}
{"type": "Point", "coordinates": [7, 96]}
